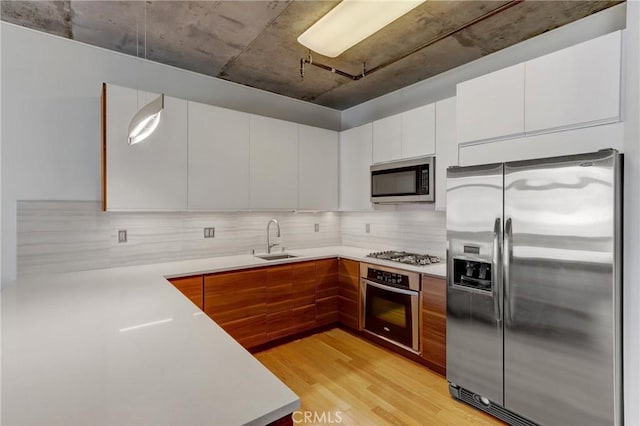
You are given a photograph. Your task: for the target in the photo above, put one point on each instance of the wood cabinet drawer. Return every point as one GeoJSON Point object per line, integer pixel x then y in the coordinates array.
{"type": "Point", "coordinates": [191, 287]}
{"type": "Point", "coordinates": [303, 287]}
{"type": "Point", "coordinates": [279, 279]}
{"type": "Point", "coordinates": [348, 312]}
{"type": "Point", "coordinates": [349, 268]}
{"type": "Point", "coordinates": [235, 295]}
{"type": "Point", "coordinates": [327, 310]}
{"type": "Point", "coordinates": [249, 332]}
{"type": "Point", "coordinates": [279, 324]}
{"type": "Point", "coordinates": [304, 318]}
{"type": "Point", "coordinates": [304, 271]}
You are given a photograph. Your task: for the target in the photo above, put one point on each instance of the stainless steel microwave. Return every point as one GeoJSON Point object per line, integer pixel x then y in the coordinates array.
{"type": "Point", "coordinates": [404, 181]}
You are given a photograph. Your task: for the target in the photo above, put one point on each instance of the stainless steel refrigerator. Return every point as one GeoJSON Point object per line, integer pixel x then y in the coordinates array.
{"type": "Point", "coordinates": [534, 289]}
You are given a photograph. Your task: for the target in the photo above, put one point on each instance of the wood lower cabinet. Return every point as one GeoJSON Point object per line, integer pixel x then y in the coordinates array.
{"type": "Point", "coordinates": [256, 306]}
{"type": "Point", "coordinates": [326, 292]}
{"type": "Point", "coordinates": [249, 332]}
{"type": "Point", "coordinates": [434, 322]}
{"type": "Point", "coordinates": [291, 298]}
{"type": "Point", "coordinates": [237, 301]}
{"type": "Point", "coordinates": [349, 293]}
{"type": "Point", "coordinates": [191, 287]}
{"type": "Point", "coordinates": [279, 301]}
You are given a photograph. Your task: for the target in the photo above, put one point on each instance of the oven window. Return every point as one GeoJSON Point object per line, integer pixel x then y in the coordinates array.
{"type": "Point", "coordinates": [389, 311]}
{"type": "Point", "coordinates": [397, 183]}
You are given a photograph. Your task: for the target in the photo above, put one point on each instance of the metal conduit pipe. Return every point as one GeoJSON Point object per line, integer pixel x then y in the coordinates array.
{"type": "Point", "coordinates": [365, 72]}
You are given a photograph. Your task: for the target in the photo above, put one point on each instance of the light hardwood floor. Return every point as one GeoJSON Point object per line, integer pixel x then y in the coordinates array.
{"type": "Point", "coordinates": [336, 371]}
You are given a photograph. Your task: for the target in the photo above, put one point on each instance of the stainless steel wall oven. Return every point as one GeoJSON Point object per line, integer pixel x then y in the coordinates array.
{"type": "Point", "coordinates": [391, 305]}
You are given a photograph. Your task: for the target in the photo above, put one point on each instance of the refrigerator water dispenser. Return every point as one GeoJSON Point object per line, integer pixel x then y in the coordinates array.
{"type": "Point", "coordinates": [472, 274]}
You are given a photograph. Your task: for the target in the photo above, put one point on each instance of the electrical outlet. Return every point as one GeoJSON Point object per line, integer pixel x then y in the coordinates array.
{"type": "Point", "coordinates": [209, 232]}
{"type": "Point", "coordinates": [367, 228]}
{"type": "Point", "coordinates": [316, 227]}
{"type": "Point", "coordinates": [122, 236]}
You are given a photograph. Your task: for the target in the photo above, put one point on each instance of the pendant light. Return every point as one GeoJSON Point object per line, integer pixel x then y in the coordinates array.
{"type": "Point", "coordinates": [146, 120]}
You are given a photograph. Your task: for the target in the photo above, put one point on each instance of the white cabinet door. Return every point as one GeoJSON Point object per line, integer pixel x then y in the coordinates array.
{"type": "Point", "coordinates": [150, 175]}
{"type": "Point", "coordinates": [491, 106]}
{"type": "Point", "coordinates": [446, 147]}
{"type": "Point", "coordinates": [317, 168]}
{"type": "Point", "coordinates": [387, 139]}
{"type": "Point", "coordinates": [274, 163]}
{"type": "Point", "coordinates": [574, 86]}
{"type": "Point", "coordinates": [218, 158]}
{"type": "Point", "coordinates": [419, 131]}
{"type": "Point", "coordinates": [355, 160]}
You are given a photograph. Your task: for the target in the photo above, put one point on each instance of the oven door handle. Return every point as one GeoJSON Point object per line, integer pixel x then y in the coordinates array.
{"type": "Point", "coordinates": [389, 288]}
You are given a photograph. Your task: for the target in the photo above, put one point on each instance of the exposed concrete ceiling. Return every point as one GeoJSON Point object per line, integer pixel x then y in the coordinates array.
{"type": "Point", "coordinates": [254, 42]}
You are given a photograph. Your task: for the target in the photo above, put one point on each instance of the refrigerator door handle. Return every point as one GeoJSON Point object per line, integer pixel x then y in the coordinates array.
{"type": "Point", "coordinates": [506, 261]}
{"type": "Point", "coordinates": [497, 250]}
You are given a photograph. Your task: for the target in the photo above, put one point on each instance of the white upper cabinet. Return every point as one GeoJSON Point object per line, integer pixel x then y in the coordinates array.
{"type": "Point", "coordinates": [446, 147]}
{"type": "Point", "coordinates": [576, 86]}
{"type": "Point", "coordinates": [317, 168]}
{"type": "Point", "coordinates": [218, 158]}
{"type": "Point", "coordinates": [491, 106]}
{"type": "Point", "coordinates": [152, 174]}
{"type": "Point", "coordinates": [419, 131]}
{"type": "Point", "coordinates": [274, 163]}
{"type": "Point", "coordinates": [355, 159]}
{"type": "Point", "coordinates": [387, 139]}
{"type": "Point", "coordinates": [407, 135]}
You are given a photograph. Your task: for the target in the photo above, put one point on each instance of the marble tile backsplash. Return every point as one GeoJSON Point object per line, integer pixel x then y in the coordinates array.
{"type": "Point", "coordinates": [58, 236]}
{"type": "Point", "coordinates": [61, 236]}
{"type": "Point", "coordinates": [411, 227]}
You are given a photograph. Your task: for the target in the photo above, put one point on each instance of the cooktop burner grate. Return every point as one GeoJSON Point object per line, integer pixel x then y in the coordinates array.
{"type": "Point", "coordinates": [405, 257]}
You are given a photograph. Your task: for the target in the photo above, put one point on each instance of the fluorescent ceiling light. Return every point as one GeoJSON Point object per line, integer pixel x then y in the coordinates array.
{"type": "Point", "coordinates": [146, 120]}
{"type": "Point", "coordinates": [352, 21]}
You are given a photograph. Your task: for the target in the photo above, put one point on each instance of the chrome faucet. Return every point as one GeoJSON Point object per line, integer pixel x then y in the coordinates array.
{"type": "Point", "coordinates": [269, 245]}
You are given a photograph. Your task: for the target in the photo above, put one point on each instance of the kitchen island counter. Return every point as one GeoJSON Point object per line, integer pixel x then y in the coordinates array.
{"type": "Point", "coordinates": [122, 346]}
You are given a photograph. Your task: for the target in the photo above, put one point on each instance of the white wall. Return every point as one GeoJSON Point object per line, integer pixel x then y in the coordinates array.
{"type": "Point", "coordinates": [631, 231]}
{"type": "Point", "coordinates": [51, 116]}
{"type": "Point", "coordinates": [444, 85]}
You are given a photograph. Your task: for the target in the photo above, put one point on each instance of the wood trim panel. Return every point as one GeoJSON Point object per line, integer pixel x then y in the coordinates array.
{"type": "Point", "coordinates": [103, 148]}
{"type": "Point", "coordinates": [232, 296]}
{"type": "Point", "coordinates": [434, 322]}
{"type": "Point", "coordinates": [191, 287]}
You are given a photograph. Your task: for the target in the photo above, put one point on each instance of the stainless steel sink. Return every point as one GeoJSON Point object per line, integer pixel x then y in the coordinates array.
{"type": "Point", "coordinates": [276, 256]}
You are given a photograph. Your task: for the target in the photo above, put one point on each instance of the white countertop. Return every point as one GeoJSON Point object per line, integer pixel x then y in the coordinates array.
{"type": "Point", "coordinates": [122, 346]}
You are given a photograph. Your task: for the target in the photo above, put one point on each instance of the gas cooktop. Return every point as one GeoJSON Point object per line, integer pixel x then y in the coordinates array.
{"type": "Point", "coordinates": [405, 257]}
